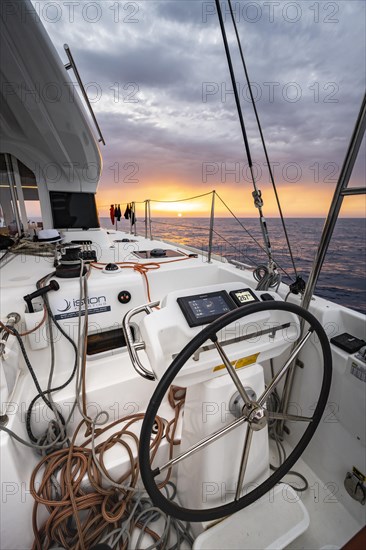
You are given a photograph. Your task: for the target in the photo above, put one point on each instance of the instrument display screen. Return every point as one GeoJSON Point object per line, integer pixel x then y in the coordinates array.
{"type": "Point", "coordinates": [205, 308]}
{"type": "Point", "coordinates": [74, 209]}
{"type": "Point", "coordinates": [243, 296]}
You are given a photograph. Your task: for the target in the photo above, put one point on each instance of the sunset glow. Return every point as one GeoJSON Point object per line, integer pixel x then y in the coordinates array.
{"type": "Point", "coordinates": [307, 201]}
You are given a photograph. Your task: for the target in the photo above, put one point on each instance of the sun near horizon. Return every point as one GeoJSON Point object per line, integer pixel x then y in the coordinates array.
{"type": "Point", "coordinates": [171, 201]}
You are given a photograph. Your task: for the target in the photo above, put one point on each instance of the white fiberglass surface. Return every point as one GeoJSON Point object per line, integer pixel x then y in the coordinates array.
{"type": "Point", "coordinates": [112, 385]}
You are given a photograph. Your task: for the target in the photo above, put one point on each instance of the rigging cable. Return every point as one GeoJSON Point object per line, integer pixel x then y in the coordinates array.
{"type": "Point", "coordinates": [186, 199]}
{"type": "Point", "coordinates": [162, 201]}
{"type": "Point", "coordinates": [262, 138]}
{"type": "Point", "coordinates": [250, 235]}
{"type": "Point", "coordinates": [50, 404]}
{"type": "Point", "coordinates": [257, 195]}
{"type": "Point", "coordinates": [54, 431]}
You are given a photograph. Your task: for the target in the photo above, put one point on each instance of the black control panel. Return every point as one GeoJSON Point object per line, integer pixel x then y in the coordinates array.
{"type": "Point", "coordinates": [243, 296]}
{"type": "Point", "coordinates": [202, 309]}
{"type": "Point", "coordinates": [347, 342]}
{"type": "Point", "coordinates": [266, 297]}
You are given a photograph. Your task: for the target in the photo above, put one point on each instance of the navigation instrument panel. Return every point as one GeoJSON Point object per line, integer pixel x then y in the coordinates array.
{"type": "Point", "coordinates": [202, 309]}
{"type": "Point", "coordinates": [243, 296]}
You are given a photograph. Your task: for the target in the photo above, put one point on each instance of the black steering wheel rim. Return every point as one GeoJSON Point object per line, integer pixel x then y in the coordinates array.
{"type": "Point", "coordinates": [147, 472]}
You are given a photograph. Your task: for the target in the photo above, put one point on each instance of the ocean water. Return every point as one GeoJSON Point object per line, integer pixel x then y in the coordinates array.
{"type": "Point", "coordinates": [343, 278]}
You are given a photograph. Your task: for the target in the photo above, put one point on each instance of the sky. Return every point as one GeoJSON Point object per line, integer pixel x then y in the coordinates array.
{"type": "Point", "coordinates": [157, 76]}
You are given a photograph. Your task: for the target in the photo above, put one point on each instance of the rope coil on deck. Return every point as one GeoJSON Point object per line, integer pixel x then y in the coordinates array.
{"type": "Point", "coordinates": [111, 509]}
{"type": "Point", "coordinates": [104, 508]}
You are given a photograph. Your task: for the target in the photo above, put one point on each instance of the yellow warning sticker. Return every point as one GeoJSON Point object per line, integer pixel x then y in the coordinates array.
{"type": "Point", "coordinates": [240, 363]}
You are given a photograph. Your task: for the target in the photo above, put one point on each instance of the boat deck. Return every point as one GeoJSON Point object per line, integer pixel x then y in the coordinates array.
{"type": "Point", "coordinates": [113, 384]}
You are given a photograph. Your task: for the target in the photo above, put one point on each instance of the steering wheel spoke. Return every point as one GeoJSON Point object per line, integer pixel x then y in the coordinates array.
{"type": "Point", "coordinates": [281, 373]}
{"type": "Point", "coordinates": [287, 417]}
{"type": "Point", "coordinates": [201, 445]}
{"type": "Point", "coordinates": [233, 374]}
{"type": "Point", "coordinates": [244, 461]}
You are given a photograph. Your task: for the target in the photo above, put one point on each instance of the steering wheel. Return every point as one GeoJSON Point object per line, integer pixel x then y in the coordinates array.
{"type": "Point", "coordinates": [254, 413]}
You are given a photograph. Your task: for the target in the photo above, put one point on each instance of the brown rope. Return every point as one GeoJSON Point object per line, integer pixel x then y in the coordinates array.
{"type": "Point", "coordinates": [77, 518]}
{"type": "Point", "coordinates": [143, 269]}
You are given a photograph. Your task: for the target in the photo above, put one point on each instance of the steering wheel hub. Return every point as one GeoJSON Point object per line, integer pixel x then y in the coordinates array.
{"type": "Point", "coordinates": [256, 417]}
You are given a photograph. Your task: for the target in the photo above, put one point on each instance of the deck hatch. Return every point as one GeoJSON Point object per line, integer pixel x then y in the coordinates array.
{"type": "Point", "coordinates": [152, 254]}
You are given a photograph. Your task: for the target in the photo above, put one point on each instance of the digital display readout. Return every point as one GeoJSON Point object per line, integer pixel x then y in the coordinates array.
{"type": "Point", "coordinates": [205, 308]}
{"type": "Point", "coordinates": [243, 297]}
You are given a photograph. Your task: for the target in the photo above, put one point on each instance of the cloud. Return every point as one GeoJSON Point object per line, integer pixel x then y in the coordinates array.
{"type": "Point", "coordinates": [174, 111]}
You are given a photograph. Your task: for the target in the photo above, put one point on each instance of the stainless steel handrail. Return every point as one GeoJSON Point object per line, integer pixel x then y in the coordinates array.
{"type": "Point", "coordinates": [13, 193]}
{"type": "Point", "coordinates": [354, 191]}
{"type": "Point", "coordinates": [133, 219]}
{"type": "Point", "coordinates": [132, 346]}
{"type": "Point", "coordinates": [148, 228]}
{"type": "Point", "coordinates": [212, 221]}
{"type": "Point", "coordinates": [72, 65]}
{"type": "Point", "coordinates": [339, 193]}
{"type": "Point", "coordinates": [145, 221]}
{"type": "Point", "coordinates": [149, 212]}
